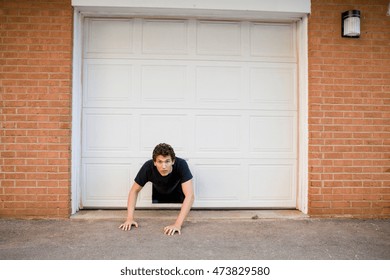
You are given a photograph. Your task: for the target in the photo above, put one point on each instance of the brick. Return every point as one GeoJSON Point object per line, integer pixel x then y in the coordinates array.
{"type": "Point", "coordinates": [361, 204]}
{"type": "Point", "coordinates": [341, 204]}
{"type": "Point", "coordinates": [36, 82]}
{"type": "Point", "coordinates": [353, 211]}
{"type": "Point", "coordinates": [37, 191]}
{"type": "Point", "coordinates": [333, 198]}
{"type": "Point", "coordinates": [351, 88]}
{"type": "Point", "coordinates": [14, 204]}
{"type": "Point", "coordinates": [59, 191]}
{"type": "Point", "coordinates": [320, 204]}
{"type": "Point", "coordinates": [7, 183]}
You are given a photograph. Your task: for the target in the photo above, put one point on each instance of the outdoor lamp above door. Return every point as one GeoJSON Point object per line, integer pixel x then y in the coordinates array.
{"type": "Point", "coordinates": [350, 24]}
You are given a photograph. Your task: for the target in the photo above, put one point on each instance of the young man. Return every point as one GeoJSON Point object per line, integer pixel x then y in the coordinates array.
{"type": "Point", "coordinates": [172, 183]}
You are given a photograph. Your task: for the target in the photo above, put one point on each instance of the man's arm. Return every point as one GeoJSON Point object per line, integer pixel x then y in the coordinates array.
{"type": "Point", "coordinates": [131, 201]}
{"type": "Point", "coordinates": [185, 209]}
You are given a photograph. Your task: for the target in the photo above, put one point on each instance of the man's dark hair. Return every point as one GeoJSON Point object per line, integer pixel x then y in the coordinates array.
{"type": "Point", "coordinates": [164, 150]}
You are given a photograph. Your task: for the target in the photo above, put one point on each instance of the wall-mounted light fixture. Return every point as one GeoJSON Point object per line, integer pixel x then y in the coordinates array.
{"type": "Point", "coordinates": [350, 24]}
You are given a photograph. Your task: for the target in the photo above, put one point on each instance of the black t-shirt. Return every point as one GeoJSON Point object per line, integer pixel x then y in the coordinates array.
{"type": "Point", "coordinates": [166, 189]}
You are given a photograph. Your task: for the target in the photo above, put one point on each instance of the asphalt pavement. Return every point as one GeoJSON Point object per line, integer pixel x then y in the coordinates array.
{"type": "Point", "coordinates": [235, 236]}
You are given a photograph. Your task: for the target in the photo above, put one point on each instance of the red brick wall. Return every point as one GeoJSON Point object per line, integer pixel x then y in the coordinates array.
{"type": "Point", "coordinates": [35, 112]}
{"type": "Point", "coordinates": [349, 111]}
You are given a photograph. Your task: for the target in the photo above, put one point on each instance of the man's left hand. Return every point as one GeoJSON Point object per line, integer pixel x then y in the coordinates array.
{"type": "Point", "coordinates": [170, 230]}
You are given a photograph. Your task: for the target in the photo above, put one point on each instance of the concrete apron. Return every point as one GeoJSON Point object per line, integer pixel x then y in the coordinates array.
{"type": "Point", "coordinates": [194, 215]}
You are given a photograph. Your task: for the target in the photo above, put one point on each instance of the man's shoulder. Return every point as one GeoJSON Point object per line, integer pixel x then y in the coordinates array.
{"type": "Point", "coordinates": [181, 163]}
{"type": "Point", "coordinates": [148, 164]}
{"type": "Point", "coordinates": [179, 160]}
{"type": "Point", "coordinates": [183, 169]}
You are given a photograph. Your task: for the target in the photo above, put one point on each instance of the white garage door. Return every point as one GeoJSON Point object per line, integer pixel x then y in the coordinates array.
{"type": "Point", "coordinates": [222, 93]}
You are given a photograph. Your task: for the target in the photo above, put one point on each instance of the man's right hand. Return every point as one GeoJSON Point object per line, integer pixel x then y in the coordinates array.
{"type": "Point", "coordinates": [128, 224]}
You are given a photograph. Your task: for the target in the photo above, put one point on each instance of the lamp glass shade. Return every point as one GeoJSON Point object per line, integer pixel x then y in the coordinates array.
{"type": "Point", "coordinates": [352, 26]}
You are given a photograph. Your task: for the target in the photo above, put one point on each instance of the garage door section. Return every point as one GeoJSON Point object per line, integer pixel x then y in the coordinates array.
{"type": "Point", "coordinates": [222, 93]}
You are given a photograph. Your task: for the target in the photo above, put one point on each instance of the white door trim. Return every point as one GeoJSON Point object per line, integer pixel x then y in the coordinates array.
{"type": "Point", "coordinates": [79, 13]}
{"type": "Point", "coordinates": [243, 9]}
{"type": "Point", "coordinates": [303, 114]}
{"type": "Point", "coordinates": [76, 111]}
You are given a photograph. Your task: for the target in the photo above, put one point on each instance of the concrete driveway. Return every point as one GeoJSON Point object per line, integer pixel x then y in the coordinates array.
{"type": "Point", "coordinates": [224, 235]}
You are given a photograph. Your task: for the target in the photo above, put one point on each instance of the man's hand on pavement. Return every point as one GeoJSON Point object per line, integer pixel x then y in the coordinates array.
{"type": "Point", "coordinates": [128, 224]}
{"type": "Point", "coordinates": [170, 230]}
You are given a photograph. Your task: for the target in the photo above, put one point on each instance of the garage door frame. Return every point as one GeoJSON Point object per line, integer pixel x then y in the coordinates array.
{"type": "Point", "coordinates": [301, 20]}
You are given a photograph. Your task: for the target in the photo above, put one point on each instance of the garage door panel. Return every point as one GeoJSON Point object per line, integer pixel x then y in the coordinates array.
{"type": "Point", "coordinates": [218, 38]}
{"type": "Point", "coordinates": [272, 182]}
{"type": "Point", "coordinates": [164, 83]}
{"type": "Point", "coordinates": [107, 134]}
{"type": "Point", "coordinates": [107, 84]}
{"type": "Point", "coordinates": [218, 133]}
{"type": "Point", "coordinates": [218, 182]}
{"type": "Point", "coordinates": [222, 84]}
{"type": "Point", "coordinates": [145, 197]}
{"type": "Point", "coordinates": [272, 40]}
{"type": "Point", "coordinates": [273, 134]}
{"type": "Point", "coordinates": [168, 128]}
{"type": "Point", "coordinates": [109, 36]}
{"type": "Point", "coordinates": [112, 83]}
{"type": "Point", "coordinates": [165, 37]}
{"type": "Point", "coordinates": [106, 184]}
{"type": "Point", "coordinates": [273, 85]}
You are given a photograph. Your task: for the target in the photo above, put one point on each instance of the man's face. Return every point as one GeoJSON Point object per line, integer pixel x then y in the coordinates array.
{"type": "Point", "coordinates": [164, 164]}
